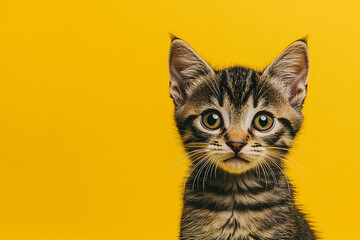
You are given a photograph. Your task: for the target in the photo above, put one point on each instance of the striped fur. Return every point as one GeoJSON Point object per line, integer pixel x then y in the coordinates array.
{"type": "Point", "coordinates": [241, 200]}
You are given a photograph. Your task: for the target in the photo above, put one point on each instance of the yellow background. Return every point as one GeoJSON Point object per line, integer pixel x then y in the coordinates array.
{"type": "Point", "coordinates": [88, 146]}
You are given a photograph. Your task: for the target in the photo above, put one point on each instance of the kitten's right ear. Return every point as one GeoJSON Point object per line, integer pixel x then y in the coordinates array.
{"type": "Point", "coordinates": [291, 68]}
{"type": "Point", "coordinates": [185, 66]}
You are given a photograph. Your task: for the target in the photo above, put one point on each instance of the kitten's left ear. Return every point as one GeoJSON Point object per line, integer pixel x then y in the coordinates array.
{"type": "Point", "coordinates": [185, 67]}
{"type": "Point", "coordinates": [291, 67]}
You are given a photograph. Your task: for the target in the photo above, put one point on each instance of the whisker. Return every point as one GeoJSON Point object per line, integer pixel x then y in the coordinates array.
{"type": "Point", "coordinates": [283, 157]}
{"type": "Point", "coordinates": [196, 144]}
{"type": "Point", "coordinates": [296, 141]}
{"type": "Point", "coordinates": [213, 89]}
{"type": "Point", "coordinates": [199, 160]}
{"type": "Point", "coordinates": [206, 172]}
{"type": "Point", "coordinates": [287, 158]}
{"type": "Point", "coordinates": [286, 149]}
{"type": "Point", "coordinates": [199, 173]}
{"type": "Point", "coordinates": [217, 164]}
{"type": "Point", "coordinates": [265, 174]}
{"type": "Point", "coordinates": [273, 175]}
{"type": "Point", "coordinates": [209, 167]}
{"type": "Point", "coordinates": [262, 86]}
{"type": "Point", "coordinates": [264, 92]}
{"type": "Point", "coordinates": [214, 165]}
{"type": "Point", "coordinates": [280, 168]}
{"type": "Point", "coordinates": [188, 155]}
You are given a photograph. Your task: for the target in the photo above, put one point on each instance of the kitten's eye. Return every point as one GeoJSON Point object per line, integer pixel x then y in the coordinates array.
{"type": "Point", "coordinates": [263, 122]}
{"type": "Point", "coordinates": [211, 120]}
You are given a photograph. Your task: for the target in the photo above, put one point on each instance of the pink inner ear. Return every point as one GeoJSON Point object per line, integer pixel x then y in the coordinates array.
{"type": "Point", "coordinates": [291, 68]}
{"type": "Point", "coordinates": [297, 85]}
{"type": "Point", "coordinates": [177, 82]}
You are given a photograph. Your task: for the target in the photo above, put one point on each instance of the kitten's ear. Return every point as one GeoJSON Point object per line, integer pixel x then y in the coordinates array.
{"type": "Point", "coordinates": [185, 65]}
{"type": "Point", "coordinates": [291, 67]}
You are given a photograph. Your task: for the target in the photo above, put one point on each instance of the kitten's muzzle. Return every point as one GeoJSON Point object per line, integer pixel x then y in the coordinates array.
{"type": "Point", "coordinates": [236, 146]}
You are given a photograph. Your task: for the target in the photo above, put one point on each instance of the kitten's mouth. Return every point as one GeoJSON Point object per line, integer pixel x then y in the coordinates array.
{"type": "Point", "coordinates": [236, 159]}
{"type": "Point", "coordinates": [236, 164]}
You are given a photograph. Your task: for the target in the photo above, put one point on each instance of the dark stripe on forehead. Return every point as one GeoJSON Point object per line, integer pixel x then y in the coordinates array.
{"type": "Point", "coordinates": [288, 125]}
{"type": "Point", "coordinates": [221, 97]}
{"type": "Point", "coordinates": [250, 86]}
{"type": "Point", "coordinates": [224, 87]}
{"type": "Point", "coordinates": [256, 91]}
{"type": "Point", "coordinates": [255, 100]}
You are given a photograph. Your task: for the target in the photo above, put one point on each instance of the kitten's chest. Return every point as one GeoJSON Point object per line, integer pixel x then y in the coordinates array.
{"type": "Point", "coordinates": [234, 216]}
{"type": "Point", "coordinates": [234, 224]}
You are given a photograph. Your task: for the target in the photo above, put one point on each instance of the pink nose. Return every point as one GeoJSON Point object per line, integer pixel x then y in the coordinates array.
{"type": "Point", "coordinates": [236, 146]}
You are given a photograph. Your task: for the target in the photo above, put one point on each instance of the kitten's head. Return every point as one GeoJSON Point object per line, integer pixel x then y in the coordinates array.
{"type": "Point", "coordinates": [238, 118]}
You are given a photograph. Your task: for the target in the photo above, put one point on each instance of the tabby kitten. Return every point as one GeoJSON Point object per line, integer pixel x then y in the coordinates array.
{"type": "Point", "coordinates": [237, 124]}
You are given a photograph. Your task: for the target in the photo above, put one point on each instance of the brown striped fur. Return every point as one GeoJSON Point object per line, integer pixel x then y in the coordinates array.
{"type": "Point", "coordinates": [246, 199]}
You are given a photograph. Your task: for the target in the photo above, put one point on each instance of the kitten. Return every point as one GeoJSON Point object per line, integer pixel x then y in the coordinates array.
{"type": "Point", "coordinates": [237, 124]}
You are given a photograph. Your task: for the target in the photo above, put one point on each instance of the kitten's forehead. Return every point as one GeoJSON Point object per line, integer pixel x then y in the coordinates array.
{"type": "Point", "coordinates": [232, 89]}
{"type": "Point", "coordinates": [236, 93]}
{"type": "Point", "coordinates": [237, 84]}
{"type": "Point", "coordinates": [229, 87]}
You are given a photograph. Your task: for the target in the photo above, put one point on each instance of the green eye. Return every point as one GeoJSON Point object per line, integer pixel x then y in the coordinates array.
{"type": "Point", "coordinates": [211, 120]}
{"type": "Point", "coordinates": [263, 122]}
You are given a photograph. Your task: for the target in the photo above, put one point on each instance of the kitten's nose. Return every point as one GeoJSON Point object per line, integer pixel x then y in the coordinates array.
{"type": "Point", "coordinates": [236, 146]}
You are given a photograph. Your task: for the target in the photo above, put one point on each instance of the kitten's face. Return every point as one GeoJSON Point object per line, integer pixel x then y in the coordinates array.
{"type": "Point", "coordinates": [236, 129]}
{"type": "Point", "coordinates": [237, 119]}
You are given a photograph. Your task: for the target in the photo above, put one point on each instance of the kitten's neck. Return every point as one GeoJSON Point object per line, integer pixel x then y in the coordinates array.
{"type": "Point", "coordinates": [272, 178]}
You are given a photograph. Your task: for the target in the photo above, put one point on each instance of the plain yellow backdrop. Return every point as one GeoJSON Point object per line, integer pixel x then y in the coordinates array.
{"type": "Point", "coordinates": [88, 146]}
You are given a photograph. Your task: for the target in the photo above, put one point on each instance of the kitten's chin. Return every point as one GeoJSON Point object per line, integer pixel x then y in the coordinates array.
{"type": "Point", "coordinates": [236, 165]}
